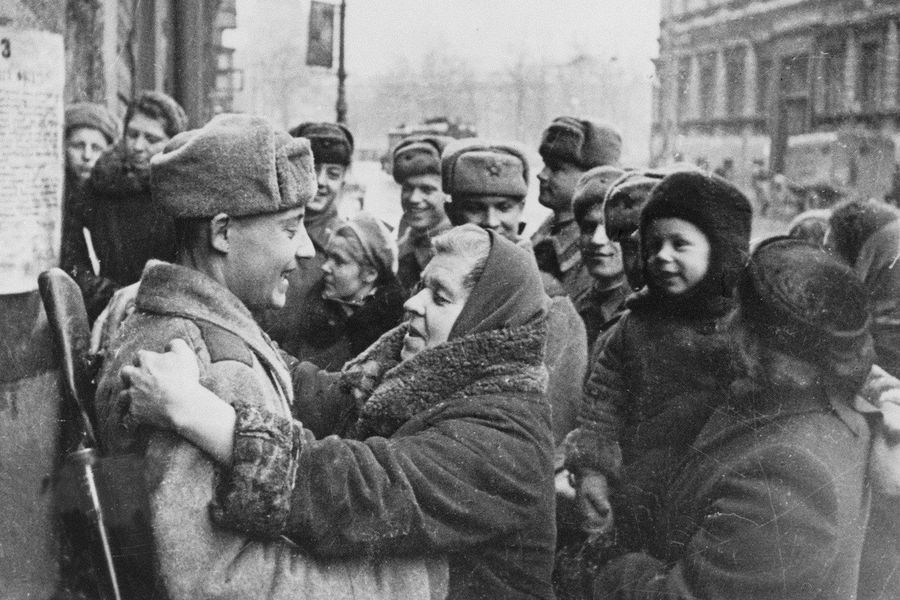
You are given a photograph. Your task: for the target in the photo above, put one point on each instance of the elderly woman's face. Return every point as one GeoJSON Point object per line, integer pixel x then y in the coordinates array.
{"type": "Point", "coordinates": [435, 307]}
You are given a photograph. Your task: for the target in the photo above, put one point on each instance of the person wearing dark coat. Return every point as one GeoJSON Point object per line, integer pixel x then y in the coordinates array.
{"type": "Point", "coordinates": [601, 256]}
{"type": "Point", "coordinates": [665, 364]}
{"type": "Point", "coordinates": [487, 183]}
{"type": "Point", "coordinates": [445, 446]}
{"type": "Point", "coordinates": [362, 297]}
{"type": "Point", "coordinates": [90, 129]}
{"type": "Point", "coordinates": [332, 145]}
{"type": "Point", "coordinates": [569, 147]}
{"type": "Point", "coordinates": [866, 235]}
{"type": "Point", "coordinates": [126, 227]}
{"type": "Point", "coordinates": [772, 498]}
{"type": "Point", "coordinates": [417, 168]}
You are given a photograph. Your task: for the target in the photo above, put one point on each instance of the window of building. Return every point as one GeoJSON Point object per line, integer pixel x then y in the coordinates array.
{"type": "Point", "coordinates": [707, 84]}
{"type": "Point", "coordinates": [763, 77]}
{"type": "Point", "coordinates": [683, 87]}
{"type": "Point", "coordinates": [794, 88]}
{"type": "Point", "coordinates": [832, 82]}
{"type": "Point", "coordinates": [867, 82]}
{"type": "Point", "coordinates": [734, 82]}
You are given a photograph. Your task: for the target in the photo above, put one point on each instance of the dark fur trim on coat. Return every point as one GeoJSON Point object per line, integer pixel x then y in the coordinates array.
{"type": "Point", "coordinates": [494, 362]}
{"type": "Point", "coordinates": [114, 176]}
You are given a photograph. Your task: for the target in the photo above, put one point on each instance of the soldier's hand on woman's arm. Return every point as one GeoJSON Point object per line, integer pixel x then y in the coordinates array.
{"type": "Point", "coordinates": [592, 492]}
{"type": "Point", "coordinates": [164, 391]}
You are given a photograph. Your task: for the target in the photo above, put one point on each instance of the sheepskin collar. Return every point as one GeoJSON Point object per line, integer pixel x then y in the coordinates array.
{"type": "Point", "coordinates": [500, 361]}
{"type": "Point", "coordinates": [115, 177]}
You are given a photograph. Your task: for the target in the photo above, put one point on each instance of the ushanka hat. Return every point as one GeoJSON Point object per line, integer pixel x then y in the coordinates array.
{"type": "Point", "coordinates": [716, 208]}
{"type": "Point", "coordinates": [330, 142]}
{"type": "Point", "coordinates": [235, 164]}
{"type": "Point", "coordinates": [418, 155]}
{"type": "Point", "coordinates": [95, 116]}
{"type": "Point", "coordinates": [808, 304]}
{"type": "Point", "coordinates": [582, 142]}
{"type": "Point", "coordinates": [591, 189]}
{"type": "Point", "coordinates": [475, 167]}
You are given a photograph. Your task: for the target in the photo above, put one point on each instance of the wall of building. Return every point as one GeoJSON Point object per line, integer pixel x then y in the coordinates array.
{"type": "Point", "coordinates": [773, 68]}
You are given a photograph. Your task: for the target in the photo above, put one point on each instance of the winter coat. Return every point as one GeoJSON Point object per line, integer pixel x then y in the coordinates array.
{"type": "Point", "coordinates": [328, 337]}
{"type": "Point", "coordinates": [127, 229]}
{"type": "Point", "coordinates": [286, 325]}
{"type": "Point", "coordinates": [450, 453]}
{"type": "Point", "coordinates": [649, 393]}
{"type": "Point", "coordinates": [566, 360]}
{"type": "Point", "coordinates": [771, 503]}
{"type": "Point", "coordinates": [597, 308]}
{"type": "Point", "coordinates": [558, 254]}
{"type": "Point", "coordinates": [878, 265]}
{"type": "Point", "coordinates": [189, 556]}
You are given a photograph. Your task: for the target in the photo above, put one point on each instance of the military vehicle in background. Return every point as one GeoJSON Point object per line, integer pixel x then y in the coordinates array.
{"type": "Point", "coordinates": [434, 126]}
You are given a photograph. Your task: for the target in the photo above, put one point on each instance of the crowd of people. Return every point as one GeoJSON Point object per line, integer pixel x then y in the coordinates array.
{"type": "Point", "coordinates": [638, 401]}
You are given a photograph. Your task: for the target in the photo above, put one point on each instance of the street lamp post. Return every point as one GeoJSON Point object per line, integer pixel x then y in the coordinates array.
{"type": "Point", "coordinates": [341, 105]}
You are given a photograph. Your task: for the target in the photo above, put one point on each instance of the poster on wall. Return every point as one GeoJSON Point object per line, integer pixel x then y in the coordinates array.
{"type": "Point", "coordinates": [31, 160]}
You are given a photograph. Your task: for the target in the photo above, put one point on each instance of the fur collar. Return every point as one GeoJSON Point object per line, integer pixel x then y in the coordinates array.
{"type": "Point", "coordinates": [114, 177]}
{"type": "Point", "coordinates": [500, 361]}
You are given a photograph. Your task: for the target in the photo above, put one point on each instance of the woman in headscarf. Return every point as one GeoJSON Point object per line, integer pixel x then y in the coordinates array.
{"type": "Point", "coordinates": [361, 297]}
{"type": "Point", "coordinates": [445, 444]}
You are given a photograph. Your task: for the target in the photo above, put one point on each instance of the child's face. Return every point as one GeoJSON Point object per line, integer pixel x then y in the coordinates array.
{"type": "Point", "coordinates": [677, 255]}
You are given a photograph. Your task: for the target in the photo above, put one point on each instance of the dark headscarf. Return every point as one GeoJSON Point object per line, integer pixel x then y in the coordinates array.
{"type": "Point", "coordinates": [509, 292]}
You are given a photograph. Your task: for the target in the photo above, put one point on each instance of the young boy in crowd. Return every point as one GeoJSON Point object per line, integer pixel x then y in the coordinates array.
{"type": "Point", "coordinates": [666, 363]}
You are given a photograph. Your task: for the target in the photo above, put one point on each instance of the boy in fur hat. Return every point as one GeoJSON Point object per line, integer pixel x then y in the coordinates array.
{"type": "Point", "coordinates": [664, 363]}
{"type": "Point", "coordinates": [772, 497]}
{"type": "Point", "coordinates": [237, 190]}
{"type": "Point", "coordinates": [332, 148]}
{"type": "Point", "coordinates": [569, 147]}
{"type": "Point", "coordinates": [127, 227]}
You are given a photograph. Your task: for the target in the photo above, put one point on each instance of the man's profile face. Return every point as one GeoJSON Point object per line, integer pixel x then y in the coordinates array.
{"type": "Point", "coordinates": [557, 180]}
{"type": "Point", "coordinates": [330, 179]}
{"type": "Point", "coordinates": [262, 252]}
{"type": "Point", "coordinates": [144, 138]}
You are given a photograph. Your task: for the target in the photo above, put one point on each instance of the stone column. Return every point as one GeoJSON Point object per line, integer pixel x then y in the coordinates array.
{"type": "Point", "coordinates": [851, 66]}
{"type": "Point", "coordinates": [891, 65]}
{"type": "Point", "coordinates": [720, 99]}
{"type": "Point", "coordinates": [694, 89]}
{"type": "Point", "coordinates": [750, 108]}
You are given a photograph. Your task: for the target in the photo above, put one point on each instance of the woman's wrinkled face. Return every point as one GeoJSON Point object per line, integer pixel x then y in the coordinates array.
{"type": "Point", "coordinates": [677, 255]}
{"type": "Point", "coordinates": [433, 310]}
{"type": "Point", "coordinates": [345, 278]}
{"type": "Point", "coordinates": [84, 145]}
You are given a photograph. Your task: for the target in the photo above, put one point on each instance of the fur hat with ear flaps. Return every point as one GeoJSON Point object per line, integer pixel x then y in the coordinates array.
{"type": "Point", "coordinates": [330, 142]}
{"type": "Point", "coordinates": [723, 214]}
{"type": "Point", "coordinates": [235, 164]}
{"type": "Point", "coordinates": [807, 304]}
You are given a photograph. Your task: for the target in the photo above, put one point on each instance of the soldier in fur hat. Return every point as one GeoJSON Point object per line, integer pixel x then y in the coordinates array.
{"type": "Point", "coordinates": [569, 147]}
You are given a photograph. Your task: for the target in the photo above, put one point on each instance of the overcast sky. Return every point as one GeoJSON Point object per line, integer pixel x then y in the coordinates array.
{"type": "Point", "coordinates": [488, 33]}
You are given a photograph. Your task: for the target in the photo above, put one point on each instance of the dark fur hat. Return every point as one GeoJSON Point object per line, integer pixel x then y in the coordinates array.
{"type": "Point", "coordinates": [808, 304]}
{"type": "Point", "coordinates": [330, 142]}
{"type": "Point", "coordinates": [418, 155]}
{"type": "Point", "coordinates": [592, 187]}
{"type": "Point", "coordinates": [853, 222]}
{"type": "Point", "coordinates": [716, 208]}
{"type": "Point", "coordinates": [584, 143]}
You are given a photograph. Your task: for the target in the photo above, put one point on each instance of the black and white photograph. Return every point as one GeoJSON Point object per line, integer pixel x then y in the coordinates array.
{"type": "Point", "coordinates": [450, 299]}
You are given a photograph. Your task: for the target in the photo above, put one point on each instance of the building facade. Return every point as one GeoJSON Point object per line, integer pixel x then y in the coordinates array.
{"type": "Point", "coordinates": [770, 80]}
